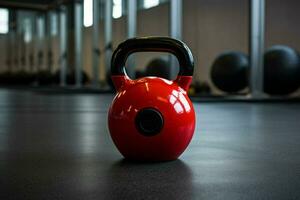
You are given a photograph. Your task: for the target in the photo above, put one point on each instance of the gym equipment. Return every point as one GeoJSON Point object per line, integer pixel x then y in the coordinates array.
{"type": "Point", "coordinates": [17, 78]}
{"type": "Point", "coordinates": [229, 71]}
{"type": "Point", "coordinates": [281, 70]}
{"type": "Point", "coordinates": [151, 118]}
{"type": "Point", "coordinates": [23, 78]}
{"type": "Point", "coordinates": [71, 77]}
{"type": "Point", "coordinates": [45, 77]}
{"type": "Point", "coordinates": [139, 74]}
{"type": "Point", "coordinates": [5, 78]}
{"type": "Point", "coordinates": [157, 67]}
{"type": "Point", "coordinates": [199, 88]}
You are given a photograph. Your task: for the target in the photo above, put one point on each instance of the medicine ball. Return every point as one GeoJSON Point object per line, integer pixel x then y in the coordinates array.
{"type": "Point", "coordinates": [22, 77]}
{"type": "Point", "coordinates": [158, 67]}
{"type": "Point", "coordinates": [229, 71]}
{"type": "Point", "coordinates": [199, 88]}
{"type": "Point", "coordinates": [45, 77]}
{"type": "Point", "coordinates": [6, 78]}
{"type": "Point", "coordinates": [281, 70]}
{"type": "Point", "coordinates": [139, 74]}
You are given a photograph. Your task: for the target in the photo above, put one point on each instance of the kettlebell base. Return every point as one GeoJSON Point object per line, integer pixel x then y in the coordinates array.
{"type": "Point", "coordinates": [148, 158]}
{"type": "Point", "coordinates": [144, 160]}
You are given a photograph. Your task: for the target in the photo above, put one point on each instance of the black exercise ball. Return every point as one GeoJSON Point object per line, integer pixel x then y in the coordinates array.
{"type": "Point", "coordinates": [27, 78]}
{"type": "Point", "coordinates": [6, 78]}
{"type": "Point", "coordinates": [229, 71]}
{"type": "Point", "coordinates": [45, 77]}
{"type": "Point", "coordinates": [199, 88]}
{"type": "Point", "coordinates": [281, 70]}
{"type": "Point", "coordinates": [139, 74]}
{"type": "Point", "coordinates": [19, 78]}
{"type": "Point", "coordinates": [158, 67]}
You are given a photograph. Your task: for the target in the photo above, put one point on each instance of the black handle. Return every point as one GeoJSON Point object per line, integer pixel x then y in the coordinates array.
{"type": "Point", "coordinates": [153, 44]}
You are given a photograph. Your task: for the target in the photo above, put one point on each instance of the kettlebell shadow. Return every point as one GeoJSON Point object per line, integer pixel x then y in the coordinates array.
{"type": "Point", "coordinates": [139, 180]}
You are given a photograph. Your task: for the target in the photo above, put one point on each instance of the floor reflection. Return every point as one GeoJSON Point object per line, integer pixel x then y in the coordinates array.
{"type": "Point", "coordinates": [167, 180]}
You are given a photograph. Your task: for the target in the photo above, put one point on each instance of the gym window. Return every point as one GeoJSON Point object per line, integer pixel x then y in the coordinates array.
{"type": "Point", "coordinates": [53, 21]}
{"type": "Point", "coordinates": [150, 3]}
{"type": "Point", "coordinates": [117, 9]}
{"type": "Point", "coordinates": [88, 13]}
{"type": "Point", "coordinates": [3, 21]}
{"type": "Point", "coordinates": [27, 30]}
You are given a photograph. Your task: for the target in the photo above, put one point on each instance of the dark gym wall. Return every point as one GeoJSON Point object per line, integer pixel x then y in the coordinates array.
{"type": "Point", "coordinates": [282, 23]}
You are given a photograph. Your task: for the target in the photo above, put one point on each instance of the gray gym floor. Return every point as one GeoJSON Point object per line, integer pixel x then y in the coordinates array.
{"type": "Point", "coordinates": [58, 147]}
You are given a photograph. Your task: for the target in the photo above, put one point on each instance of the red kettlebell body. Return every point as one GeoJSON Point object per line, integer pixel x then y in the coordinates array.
{"type": "Point", "coordinates": [151, 118]}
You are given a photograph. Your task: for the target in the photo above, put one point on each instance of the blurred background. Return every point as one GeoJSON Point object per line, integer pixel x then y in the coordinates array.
{"type": "Point", "coordinates": [241, 47]}
{"type": "Point", "coordinates": [56, 90]}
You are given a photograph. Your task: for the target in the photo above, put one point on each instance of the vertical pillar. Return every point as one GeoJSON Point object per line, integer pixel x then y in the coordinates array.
{"type": "Point", "coordinates": [12, 30]}
{"type": "Point", "coordinates": [17, 42]}
{"type": "Point", "coordinates": [108, 34]}
{"type": "Point", "coordinates": [27, 40]}
{"type": "Point", "coordinates": [15, 54]}
{"type": "Point", "coordinates": [257, 32]}
{"type": "Point", "coordinates": [78, 25]}
{"type": "Point", "coordinates": [96, 51]}
{"type": "Point", "coordinates": [33, 49]}
{"type": "Point", "coordinates": [48, 42]}
{"type": "Point", "coordinates": [8, 52]}
{"type": "Point", "coordinates": [62, 32]}
{"type": "Point", "coordinates": [23, 50]}
{"type": "Point", "coordinates": [175, 29]}
{"type": "Point", "coordinates": [131, 32]}
{"type": "Point", "coordinates": [10, 41]}
{"type": "Point", "coordinates": [40, 42]}
{"type": "Point", "coordinates": [20, 40]}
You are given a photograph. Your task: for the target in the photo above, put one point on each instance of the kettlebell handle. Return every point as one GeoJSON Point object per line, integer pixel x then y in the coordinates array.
{"type": "Point", "coordinates": [153, 44]}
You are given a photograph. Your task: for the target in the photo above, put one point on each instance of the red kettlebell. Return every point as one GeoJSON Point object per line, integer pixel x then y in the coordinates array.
{"type": "Point", "coordinates": [151, 118]}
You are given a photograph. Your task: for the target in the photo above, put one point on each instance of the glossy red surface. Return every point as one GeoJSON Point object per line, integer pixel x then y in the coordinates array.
{"type": "Point", "coordinates": [170, 98]}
